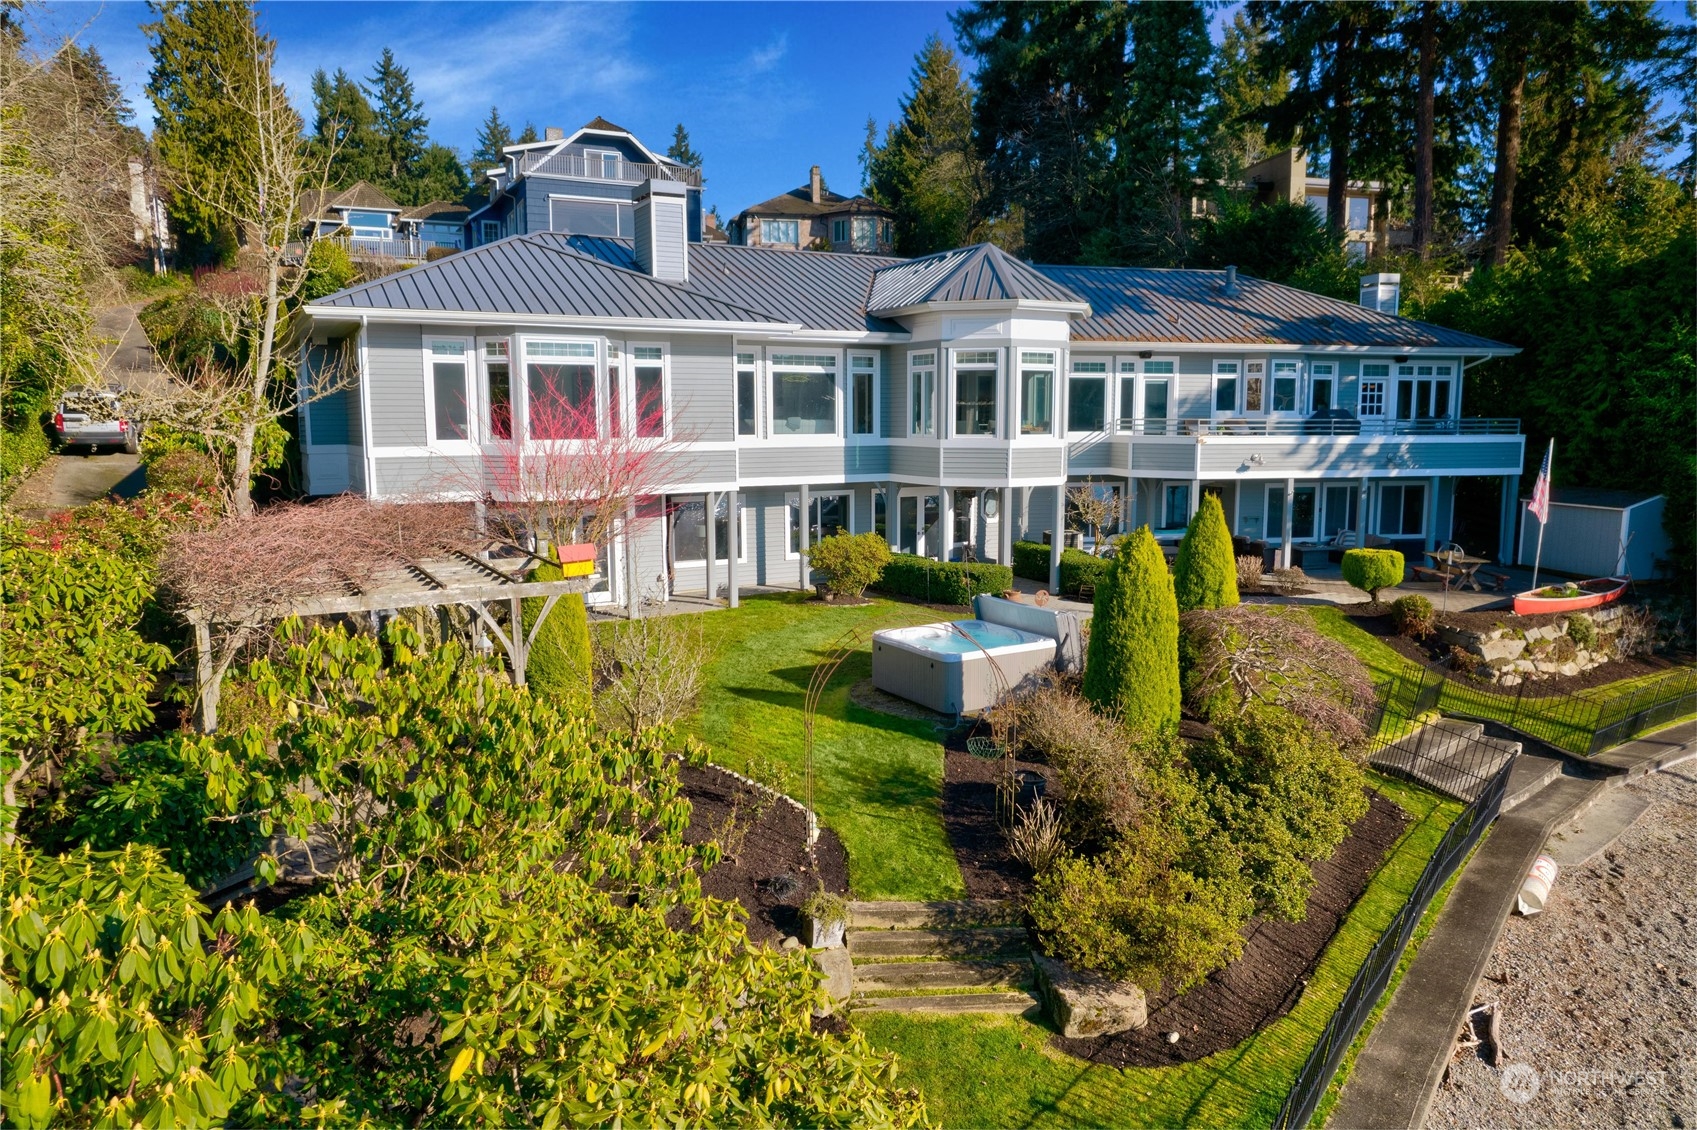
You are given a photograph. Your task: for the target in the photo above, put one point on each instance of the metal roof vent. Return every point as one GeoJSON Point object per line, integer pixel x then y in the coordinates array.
{"type": "Point", "coordinates": [1230, 287]}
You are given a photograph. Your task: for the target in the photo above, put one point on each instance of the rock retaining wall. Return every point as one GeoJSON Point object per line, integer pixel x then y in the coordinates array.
{"type": "Point", "coordinates": [1508, 655]}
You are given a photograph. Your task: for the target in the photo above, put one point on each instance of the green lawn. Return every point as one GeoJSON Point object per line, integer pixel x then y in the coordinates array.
{"type": "Point", "coordinates": [998, 1071]}
{"type": "Point", "coordinates": [1563, 721]}
{"type": "Point", "coordinates": [879, 779]}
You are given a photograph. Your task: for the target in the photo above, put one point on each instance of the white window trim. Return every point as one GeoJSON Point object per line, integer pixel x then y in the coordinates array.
{"type": "Point", "coordinates": [1321, 371]}
{"type": "Point", "coordinates": [468, 360]}
{"type": "Point", "coordinates": [1277, 537]}
{"type": "Point", "coordinates": [1234, 370]}
{"type": "Point", "coordinates": [801, 439]}
{"type": "Point", "coordinates": [627, 393]}
{"type": "Point", "coordinates": [521, 346]}
{"type": "Point", "coordinates": [792, 504]}
{"type": "Point", "coordinates": [553, 196]}
{"type": "Point", "coordinates": [742, 533]}
{"type": "Point", "coordinates": [1167, 522]}
{"type": "Point", "coordinates": [1379, 508]}
{"type": "Point", "coordinates": [877, 432]}
{"type": "Point", "coordinates": [1016, 421]}
{"type": "Point", "coordinates": [1110, 389]}
{"type": "Point", "coordinates": [485, 405]}
{"type": "Point", "coordinates": [912, 370]}
{"type": "Point", "coordinates": [764, 242]}
{"type": "Point", "coordinates": [483, 231]}
{"type": "Point", "coordinates": [893, 523]}
{"type": "Point", "coordinates": [1387, 389]}
{"type": "Point", "coordinates": [1144, 376]}
{"type": "Point", "coordinates": [753, 368]}
{"type": "Point", "coordinates": [1297, 398]}
{"type": "Point", "coordinates": [952, 405]}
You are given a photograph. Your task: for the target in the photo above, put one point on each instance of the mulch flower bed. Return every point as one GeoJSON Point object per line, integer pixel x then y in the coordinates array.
{"type": "Point", "coordinates": [772, 872]}
{"type": "Point", "coordinates": [969, 817]}
{"type": "Point", "coordinates": [1432, 654]}
{"type": "Point", "coordinates": [1266, 982]}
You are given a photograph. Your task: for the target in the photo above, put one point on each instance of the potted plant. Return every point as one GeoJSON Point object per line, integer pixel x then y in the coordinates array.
{"type": "Point", "coordinates": [577, 559]}
{"type": "Point", "coordinates": [827, 918]}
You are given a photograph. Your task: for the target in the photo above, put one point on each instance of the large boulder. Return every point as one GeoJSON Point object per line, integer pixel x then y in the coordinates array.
{"type": "Point", "coordinates": [1082, 1004]}
{"type": "Point", "coordinates": [838, 969]}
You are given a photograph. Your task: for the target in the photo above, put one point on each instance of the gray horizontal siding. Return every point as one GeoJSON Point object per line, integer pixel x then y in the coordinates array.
{"type": "Point", "coordinates": [973, 463]}
{"type": "Point", "coordinates": [1039, 463]}
{"type": "Point", "coordinates": [1352, 457]}
{"type": "Point", "coordinates": [809, 464]}
{"type": "Point", "coordinates": [1163, 457]}
{"type": "Point", "coordinates": [703, 387]}
{"type": "Point", "coordinates": [703, 467]}
{"type": "Point", "coordinates": [1094, 455]}
{"type": "Point", "coordinates": [413, 474]}
{"type": "Point", "coordinates": [915, 462]}
{"type": "Point", "coordinates": [395, 376]}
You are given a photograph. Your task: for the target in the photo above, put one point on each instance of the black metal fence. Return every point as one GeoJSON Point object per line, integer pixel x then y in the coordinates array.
{"type": "Point", "coordinates": [1375, 973]}
{"type": "Point", "coordinates": [1584, 722]}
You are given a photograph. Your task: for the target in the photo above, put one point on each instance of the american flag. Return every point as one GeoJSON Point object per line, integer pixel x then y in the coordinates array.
{"type": "Point", "coordinates": [1540, 504]}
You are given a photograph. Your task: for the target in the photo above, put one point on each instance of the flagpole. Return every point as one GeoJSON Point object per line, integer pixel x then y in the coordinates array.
{"type": "Point", "coordinates": [1538, 557]}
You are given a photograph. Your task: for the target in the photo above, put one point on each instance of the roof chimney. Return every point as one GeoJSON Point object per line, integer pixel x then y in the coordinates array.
{"type": "Point", "coordinates": [662, 230]}
{"type": "Point", "coordinates": [815, 185]}
{"type": "Point", "coordinates": [553, 133]}
{"type": "Point", "coordinates": [1382, 292]}
{"type": "Point", "coordinates": [1230, 286]}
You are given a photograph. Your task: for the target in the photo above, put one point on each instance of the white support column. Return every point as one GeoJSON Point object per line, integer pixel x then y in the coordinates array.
{"type": "Point", "coordinates": [1129, 522]}
{"type": "Point", "coordinates": [1004, 527]}
{"type": "Point", "coordinates": [1363, 521]}
{"type": "Point", "coordinates": [633, 575]}
{"type": "Point", "coordinates": [1058, 539]}
{"type": "Point", "coordinates": [946, 522]}
{"type": "Point", "coordinates": [892, 512]}
{"type": "Point", "coordinates": [1510, 514]}
{"type": "Point", "coordinates": [805, 528]}
{"type": "Point", "coordinates": [1195, 499]}
{"type": "Point", "coordinates": [712, 549]}
{"type": "Point", "coordinates": [1289, 524]}
{"type": "Point", "coordinates": [1431, 513]}
{"type": "Point", "coordinates": [733, 547]}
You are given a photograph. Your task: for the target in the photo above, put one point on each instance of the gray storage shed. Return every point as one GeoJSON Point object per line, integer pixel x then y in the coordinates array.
{"type": "Point", "coordinates": [1589, 526]}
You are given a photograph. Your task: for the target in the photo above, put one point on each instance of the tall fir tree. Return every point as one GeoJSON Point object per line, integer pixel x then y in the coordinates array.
{"type": "Point", "coordinates": [528, 134]}
{"type": "Point", "coordinates": [201, 64]}
{"type": "Point", "coordinates": [1243, 90]}
{"type": "Point", "coordinates": [927, 170]}
{"type": "Point", "coordinates": [681, 151]}
{"type": "Point", "coordinates": [399, 131]}
{"type": "Point", "coordinates": [343, 127]}
{"type": "Point", "coordinates": [493, 137]}
{"type": "Point", "coordinates": [1132, 665]}
{"type": "Point", "coordinates": [438, 175]}
{"type": "Point", "coordinates": [1050, 94]}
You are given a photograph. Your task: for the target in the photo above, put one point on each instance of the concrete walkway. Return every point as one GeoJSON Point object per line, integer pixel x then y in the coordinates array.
{"type": "Point", "coordinates": [1401, 1065]}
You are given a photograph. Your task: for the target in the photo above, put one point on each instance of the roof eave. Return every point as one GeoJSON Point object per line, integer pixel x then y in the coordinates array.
{"type": "Point", "coordinates": [572, 321]}
{"type": "Point", "coordinates": [1040, 306]}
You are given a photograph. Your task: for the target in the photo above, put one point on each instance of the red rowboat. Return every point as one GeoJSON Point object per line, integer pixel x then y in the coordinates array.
{"type": "Point", "coordinates": [1570, 596]}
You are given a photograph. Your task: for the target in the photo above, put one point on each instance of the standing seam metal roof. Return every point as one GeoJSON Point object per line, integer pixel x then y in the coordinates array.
{"type": "Point", "coordinates": [537, 275]}
{"type": "Point", "coordinates": [981, 273]}
{"type": "Point", "coordinates": [1153, 304]}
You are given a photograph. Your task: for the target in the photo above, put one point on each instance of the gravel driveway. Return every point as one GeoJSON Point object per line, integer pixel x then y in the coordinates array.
{"type": "Point", "coordinates": [1599, 1009]}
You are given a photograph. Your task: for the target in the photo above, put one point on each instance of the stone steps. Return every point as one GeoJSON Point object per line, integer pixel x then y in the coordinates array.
{"type": "Point", "coordinates": [958, 914]}
{"type": "Point", "coordinates": [977, 942]}
{"type": "Point", "coordinates": [897, 975]}
{"type": "Point", "coordinates": [1452, 756]}
{"type": "Point", "coordinates": [1005, 1003]}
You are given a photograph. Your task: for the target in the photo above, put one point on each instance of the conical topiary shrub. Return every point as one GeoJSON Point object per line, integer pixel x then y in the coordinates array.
{"type": "Point", "coordinates": [561, 665]}
{"type": "Point", "coordinates": [1132, 666]}
{"type": "Point", "coordinates": [1205, 575]}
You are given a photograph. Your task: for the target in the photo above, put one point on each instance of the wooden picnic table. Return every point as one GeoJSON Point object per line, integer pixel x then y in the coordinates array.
{"type": "Point", "coordinates": [1463, 568]}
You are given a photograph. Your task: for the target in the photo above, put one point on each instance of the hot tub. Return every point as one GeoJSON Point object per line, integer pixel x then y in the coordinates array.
{"type": "Point", "coordinates": [935, 666]}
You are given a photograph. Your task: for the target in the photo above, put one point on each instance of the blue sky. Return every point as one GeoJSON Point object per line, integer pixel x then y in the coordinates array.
{"type": "Point", "coordinates": [766, 89]}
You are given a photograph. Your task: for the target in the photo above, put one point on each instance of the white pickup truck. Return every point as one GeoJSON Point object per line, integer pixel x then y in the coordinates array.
{"type": "Point", "coordinates": [94, 418]}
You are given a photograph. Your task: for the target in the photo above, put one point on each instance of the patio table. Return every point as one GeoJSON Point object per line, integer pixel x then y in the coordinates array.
{"type": "Point", "coordinates": [1460, 566]}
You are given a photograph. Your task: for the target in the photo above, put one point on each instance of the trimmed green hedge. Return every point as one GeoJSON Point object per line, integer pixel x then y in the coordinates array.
{"type": "Point", "coordinates": [942, 582]}
{"type": "Point", "coordinates": [1078, 568]}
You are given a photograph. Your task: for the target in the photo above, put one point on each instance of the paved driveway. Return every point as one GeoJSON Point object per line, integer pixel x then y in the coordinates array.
{"type": "Point", "coordinates": [71, 479]}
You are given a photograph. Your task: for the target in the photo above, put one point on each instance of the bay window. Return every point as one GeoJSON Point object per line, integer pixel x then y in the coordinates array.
{"type": "Point", "coordinates": [922, 393]}
{"type": "Point", "coordinates": [560, 387]}
{"type": "Point", "coordinates": [1036, 392]}
{"type": "Point", "coordinates": [780, 231]}
{"type": "Point", "coordinates": [804, 394]}
{"type": "Point", "coordinates": [976, 377]}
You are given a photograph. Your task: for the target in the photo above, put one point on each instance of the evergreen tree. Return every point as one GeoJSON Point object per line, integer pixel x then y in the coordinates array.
{"type": "Point", "coordinates": [1205, 574]}
{"type": "Point", "coordinates": [201, 64]}
{"type": "Point", "coordinates": [528, 135]}
{"type": "Point", "coordinates": [928, 171]}
{"type": "Point", "coordinates": [343, 127]}
{"type": "Point", "coordinates": [1243, 90]}
{"type": "Point", "coordinates": [561, 663]}
{"type": "Point", "coordinates": [399, 128]}
{"type": "Point", "coordinates": [680, 150]}
{"type": "Point", "coordinates": [439, 175]}
{"type": "Point", "coordinates": [1050, 86]}
{"type": "Point", "coordinates": [1132, 666]}
{"type": "Point", "coordinates": [493, 137]}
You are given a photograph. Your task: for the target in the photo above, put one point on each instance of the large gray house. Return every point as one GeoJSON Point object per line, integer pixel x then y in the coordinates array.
{"type": "Point", "coordinates": [946, 402]}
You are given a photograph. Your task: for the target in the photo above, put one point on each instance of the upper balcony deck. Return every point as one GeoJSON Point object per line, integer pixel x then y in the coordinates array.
{"type": "Point", "coordinates": [581, 163]}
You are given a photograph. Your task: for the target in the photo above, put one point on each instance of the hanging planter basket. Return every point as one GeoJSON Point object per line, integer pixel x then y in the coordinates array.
{"type": "Point", "coordinates": [577, 559]}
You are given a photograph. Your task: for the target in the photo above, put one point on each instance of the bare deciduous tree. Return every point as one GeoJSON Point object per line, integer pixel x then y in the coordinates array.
{"type": "Point", "coordinates": [651, 671]}
{"type": "Point", "coordinates": [1090, 510]}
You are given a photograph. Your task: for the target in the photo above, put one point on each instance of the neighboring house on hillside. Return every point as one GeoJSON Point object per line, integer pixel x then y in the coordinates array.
{"type": "Point", "coordinates": [1284, 176]}
{"type": "Point", "coordinates": [946, 403]}
{"type": "Point", "coordinates": [814, 218]}
{"type": "Point", "coordinates": [584, 183]}
{"type": "Point", "coordinates": [375, 226]}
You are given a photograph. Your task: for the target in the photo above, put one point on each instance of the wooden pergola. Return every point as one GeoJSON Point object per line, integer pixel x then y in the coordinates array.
{"type": "Point", "coordinates": [454, 577]}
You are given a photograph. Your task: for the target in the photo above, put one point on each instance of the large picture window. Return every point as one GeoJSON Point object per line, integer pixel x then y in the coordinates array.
{"type": "Point", "coordinates": [689, 529]}
{"type": "Point", "coordinates": [1087, 392]}
{"type": "Point", "coordinates": [1402, 510]}
{"type": "Point", "coordinates": [450, 386]}
{"type": "Point", "coordinates": [1036, 393]}
{"type": "Point", "coordinates": [976, 375]}
{"type": "Point", "coordinates": [780, 231]}
{"type": "Point", "coordinates": [560, 383]}
{"type": "Point", "coordinates": [922, 393]}
{"type": "Point", "coordinates": [591, 217]}
{"type": "Point", "coordinates": [804, 394]}
{"type": "Point", "coordinates": [829, 514]}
